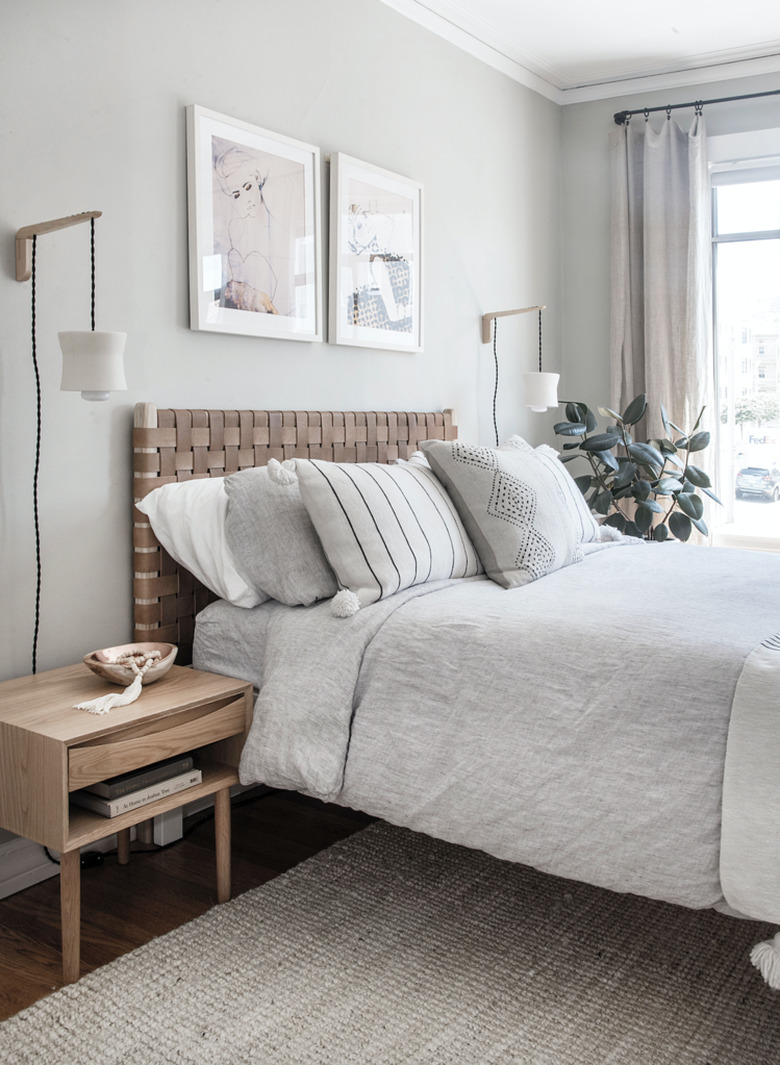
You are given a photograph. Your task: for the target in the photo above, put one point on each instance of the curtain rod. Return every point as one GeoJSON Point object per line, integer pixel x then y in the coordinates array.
{"type": "Point", "coordinates": [621, 117]}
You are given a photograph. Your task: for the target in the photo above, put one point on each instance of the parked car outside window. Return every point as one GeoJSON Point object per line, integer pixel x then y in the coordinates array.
{"type": "Point", "coordinates": [758, 482]}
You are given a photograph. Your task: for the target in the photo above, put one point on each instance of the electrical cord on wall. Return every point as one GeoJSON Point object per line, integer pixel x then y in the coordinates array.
{"type": "Point", "coordinates": [37, 470]}
{"type": "Point", "coordinates": [495, 383]}
{"type": "Point", "coordinates": [34, 339]}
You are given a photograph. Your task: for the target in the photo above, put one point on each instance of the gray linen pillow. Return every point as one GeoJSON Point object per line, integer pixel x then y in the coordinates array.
{"type": "Point", "coordinates": [273, 542]}
{"type": "Point", "coordinates": [513, 508]}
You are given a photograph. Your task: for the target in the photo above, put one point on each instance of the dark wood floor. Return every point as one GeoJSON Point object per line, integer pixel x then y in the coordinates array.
{"type": "Point", "coordinates": [123, 907]}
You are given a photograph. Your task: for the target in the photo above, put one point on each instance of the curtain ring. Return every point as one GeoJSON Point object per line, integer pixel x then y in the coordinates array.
{"type": "Point", "coordinates": [647, 115]}
{"type": "Point", "coordinates": [699, 106]}
{"type": "Point", "coordinates": [668, 113]}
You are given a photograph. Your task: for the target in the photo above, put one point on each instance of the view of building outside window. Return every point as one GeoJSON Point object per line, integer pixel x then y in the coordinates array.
{"type": "Point", "coordinates": [747, 337]}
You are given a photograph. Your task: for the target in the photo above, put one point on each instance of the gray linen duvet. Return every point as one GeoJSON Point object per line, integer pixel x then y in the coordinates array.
{"type": "Point", "coordinates": [578, 724]}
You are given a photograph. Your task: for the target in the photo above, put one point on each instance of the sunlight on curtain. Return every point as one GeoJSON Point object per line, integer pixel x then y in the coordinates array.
{"type": "Point", "coordinates": [661, 315]}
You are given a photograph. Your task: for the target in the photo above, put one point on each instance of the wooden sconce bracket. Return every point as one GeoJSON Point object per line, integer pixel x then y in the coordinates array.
{"type": "Point", "coordinates": [488, 318]}
{"type": "Point", "coordinates": [25, 235]}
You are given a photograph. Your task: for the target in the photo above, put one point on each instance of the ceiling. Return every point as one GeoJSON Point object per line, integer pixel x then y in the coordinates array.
{"type": "Point", "coordinates": [572, 51]}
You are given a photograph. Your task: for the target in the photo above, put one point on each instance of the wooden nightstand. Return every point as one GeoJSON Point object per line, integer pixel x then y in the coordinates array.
{"type": "Point", "coordinates": [49, 749]}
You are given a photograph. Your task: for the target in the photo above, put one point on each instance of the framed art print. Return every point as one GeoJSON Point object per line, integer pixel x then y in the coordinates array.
{"type": "Point", "coordinates": [375, 257]}
{"type": "Point", "coordinates": [254, 230]}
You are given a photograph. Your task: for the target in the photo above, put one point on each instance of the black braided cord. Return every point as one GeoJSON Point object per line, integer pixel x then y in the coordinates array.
{"type": "Point", "coordinates": [495, 383]}
{"type": "Point", "coordinates": [37, 471]}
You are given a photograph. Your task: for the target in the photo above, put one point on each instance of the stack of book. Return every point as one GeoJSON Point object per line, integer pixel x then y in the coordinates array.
{"type": "Point", "coordinates": [126, 792]}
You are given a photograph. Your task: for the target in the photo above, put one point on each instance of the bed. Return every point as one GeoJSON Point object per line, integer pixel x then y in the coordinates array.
{"type": "Point", "coordinates": [604, 712]}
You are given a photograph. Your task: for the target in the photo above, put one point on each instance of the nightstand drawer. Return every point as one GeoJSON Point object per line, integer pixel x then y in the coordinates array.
{"type": "Point", "coordinates": [131, 749]}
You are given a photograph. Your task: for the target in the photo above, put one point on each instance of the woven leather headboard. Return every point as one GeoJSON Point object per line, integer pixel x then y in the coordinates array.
{"type": "Point", "coordinates": [176, 445]}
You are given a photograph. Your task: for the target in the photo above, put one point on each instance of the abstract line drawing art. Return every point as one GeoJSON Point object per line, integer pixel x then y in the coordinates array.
{"type": "Point", "coordinates": [254, 230]}
{"type": "Point", "coordinates": [376, 257]}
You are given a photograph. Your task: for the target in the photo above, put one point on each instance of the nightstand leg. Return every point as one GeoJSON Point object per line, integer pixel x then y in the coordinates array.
{"type": "Point", "coordinates": [70, 913]}
{"type": "Point", "coordinates": [123, 846]}
{"type": "Point", "coordinates": [222, 842]}
{"type": "Point", "coordinates": [144, 831]}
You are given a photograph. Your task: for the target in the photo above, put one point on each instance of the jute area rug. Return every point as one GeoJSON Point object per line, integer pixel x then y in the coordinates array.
{"type": "Point", "coordinates": [391, 947]}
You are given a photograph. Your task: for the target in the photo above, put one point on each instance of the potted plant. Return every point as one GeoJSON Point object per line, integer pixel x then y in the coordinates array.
{"type": "Point", "coordinates": [648, 490]}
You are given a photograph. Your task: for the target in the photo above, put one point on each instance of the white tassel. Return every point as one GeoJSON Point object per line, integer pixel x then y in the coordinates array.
{"type": "Point", "coordinates": [140, 664]}
{"type": "Point", "coordinates": [104, 703]}
{"type": "Point", "coordinates": [766, 958]}
{"type": "Point", "coordinates": [609, 533]}
{"type": "Point", "coordinates": [344, 604]}
{"type": "Point", "coordinates": [282, 473]}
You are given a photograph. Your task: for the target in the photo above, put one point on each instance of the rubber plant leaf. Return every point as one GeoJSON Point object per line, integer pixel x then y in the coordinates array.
{"type": "Point", "coordinates": [680, 525]}
{"type": "Point", "coordinates": [698, 477]}
{"type": "Point", "coordinates": [643, 518]}
{"type": "Point", "coordinates": [600, 442]}
{"type": "Point", "coordinates": [635, 411]}
{"type": "Point", "coordinates": [690, 505]}
{"type": "Point", "coordinates": [646, 455]}
{"type": "Point", "coordinates": [569, 428]}
{"type": "Point", "coordinates": [667, 485]}
{"type": "Point", "coordinates": [607, 412]}
{"type": "Point", "coordinates": [699, 441]}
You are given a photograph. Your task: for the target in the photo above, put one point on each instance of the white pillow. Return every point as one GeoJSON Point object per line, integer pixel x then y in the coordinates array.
{"type": "Point", "coordinates": [589, 528]}
{"type": "Point", "coordinates": [512, 506]}
{"type": "Point", "coordinates": [385, 527]}
{"type": "Point", "coordinates": [188, 518]}
{"type": "Point", "coordinates": [416, 459]}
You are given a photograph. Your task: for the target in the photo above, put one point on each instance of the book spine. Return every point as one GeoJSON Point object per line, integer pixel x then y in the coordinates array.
{"type": "Point", "coordinates": [113, 807]}
{"type": "Point", "coordinates": [144, 778]}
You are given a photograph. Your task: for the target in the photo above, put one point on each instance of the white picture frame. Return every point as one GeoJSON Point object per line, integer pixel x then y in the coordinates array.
{"type": "Point", "coordinates": [376, 257]}
{"type": "Point", "coordinates": [254, 230]}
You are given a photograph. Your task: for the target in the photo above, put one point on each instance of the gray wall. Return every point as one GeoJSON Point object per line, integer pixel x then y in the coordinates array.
{"type": "Point", "coordinates": [94, 96]}
{"type": "Point", "coordinates": [585, 211]}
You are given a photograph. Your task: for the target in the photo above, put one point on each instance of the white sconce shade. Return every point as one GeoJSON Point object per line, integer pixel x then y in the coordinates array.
{"type": "Point", "coordinates": [541, 390]}
{"type": "Point", "coordinates": [93, 363]}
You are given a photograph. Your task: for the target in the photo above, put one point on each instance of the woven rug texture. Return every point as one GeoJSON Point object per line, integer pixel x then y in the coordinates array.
{"type": "Point", "coordinates": [393, 948]}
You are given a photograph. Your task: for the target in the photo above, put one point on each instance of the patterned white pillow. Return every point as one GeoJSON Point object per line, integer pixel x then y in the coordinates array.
{"type": "Point", "coordinates": [589, 528]}
{"type": "Point", "coordinates": [385, 527]}
{"type": "Point", "coordinates": [513, 507]}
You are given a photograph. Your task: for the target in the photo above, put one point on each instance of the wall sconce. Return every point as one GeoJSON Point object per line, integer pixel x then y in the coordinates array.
{"type": "Point", "coordinates": [92, 362]}
{"type": "Point", "coordinates": [541, 389]}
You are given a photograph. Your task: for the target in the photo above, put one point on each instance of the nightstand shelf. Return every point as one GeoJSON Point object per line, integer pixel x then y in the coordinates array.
{"type": "Point", "coordinates": [48, 749]}
{"type": "Point", "coordinates": [87, 827]}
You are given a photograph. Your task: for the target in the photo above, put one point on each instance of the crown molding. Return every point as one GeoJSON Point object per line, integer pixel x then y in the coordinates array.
{"type": "Point", "coordinates": [603, 90]}
{"type": "Point", "coordinates": [674, 79]}
{"type": "Point", "coordinates": [469, 43]}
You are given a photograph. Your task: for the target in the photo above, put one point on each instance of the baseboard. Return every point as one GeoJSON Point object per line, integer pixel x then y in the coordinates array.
{"type": "Point", "coordinates": [22, 864]}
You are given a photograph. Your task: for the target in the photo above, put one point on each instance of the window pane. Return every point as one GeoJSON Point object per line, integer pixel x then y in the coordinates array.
{"type": "Point", "coordinates": [747, 290]}
{"type": "Point", "coordinates": [752, 208]}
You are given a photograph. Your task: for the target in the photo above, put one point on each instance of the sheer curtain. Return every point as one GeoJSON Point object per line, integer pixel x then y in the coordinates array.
{"type": "Point", "coordinates": [661, 316]}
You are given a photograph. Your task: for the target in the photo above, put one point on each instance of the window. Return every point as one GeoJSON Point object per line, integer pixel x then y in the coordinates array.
{"type": "Point", "coordinates": [746, 263]}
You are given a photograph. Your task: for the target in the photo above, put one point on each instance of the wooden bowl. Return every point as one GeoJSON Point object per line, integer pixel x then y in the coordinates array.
{"type": "Point", "coordinates": [104, 662]}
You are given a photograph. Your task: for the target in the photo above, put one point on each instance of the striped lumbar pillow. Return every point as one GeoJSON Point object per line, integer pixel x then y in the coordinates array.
{"type": "Point", "coordinates": [385, 528]}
